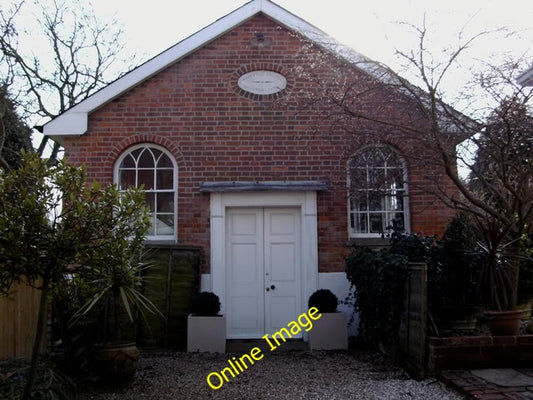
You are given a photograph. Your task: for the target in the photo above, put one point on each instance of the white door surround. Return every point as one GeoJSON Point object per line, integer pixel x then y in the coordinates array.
{"type": "Point", "coordinates": [303, 202]}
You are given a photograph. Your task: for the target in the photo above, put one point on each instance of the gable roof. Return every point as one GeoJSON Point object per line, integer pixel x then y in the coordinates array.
{"type": "Point", "coordinates": [74, 121]}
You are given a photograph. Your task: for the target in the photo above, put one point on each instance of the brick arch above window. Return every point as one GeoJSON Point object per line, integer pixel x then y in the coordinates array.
{"type": "Point", "coordinates": [153, 168]}
{"type": "Point", "coordinates": [133, 140]}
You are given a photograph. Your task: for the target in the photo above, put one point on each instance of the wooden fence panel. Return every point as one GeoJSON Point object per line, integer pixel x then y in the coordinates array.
{"type": "Point", "coordinates": [18, 321]}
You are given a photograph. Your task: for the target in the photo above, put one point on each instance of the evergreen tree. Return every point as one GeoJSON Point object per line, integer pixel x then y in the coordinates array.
{"type": "Point", "coordinates": [15, 136]}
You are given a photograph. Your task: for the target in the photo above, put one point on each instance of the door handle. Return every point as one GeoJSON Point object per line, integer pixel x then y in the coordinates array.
{"type": "Point", "coordinates": [272, 287]}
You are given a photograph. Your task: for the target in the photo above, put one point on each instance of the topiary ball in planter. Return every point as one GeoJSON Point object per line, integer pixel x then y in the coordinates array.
{"type": "Point", "coordinates": [324, 300]}
{"type": "Point", "coordinates": [205, 304]}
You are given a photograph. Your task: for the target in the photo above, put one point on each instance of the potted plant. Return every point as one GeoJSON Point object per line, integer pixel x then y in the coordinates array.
{"type": "Point", "coordinates": [453, 278]}
{"type": "Point", "coordinates": [330, 331]}
{"type": "Point", "coordinates": [109, 280]}
{"type": "Point", "coordinates": [498, 292]}
{"type": "Point", "coordinates": [206, 329]}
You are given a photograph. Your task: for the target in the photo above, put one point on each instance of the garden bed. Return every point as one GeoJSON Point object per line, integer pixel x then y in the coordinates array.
{"type": "Point", "coordinates": [464, 352]}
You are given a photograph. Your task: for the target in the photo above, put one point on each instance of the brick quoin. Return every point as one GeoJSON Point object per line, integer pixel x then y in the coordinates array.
{"type": "Point", "coordinates": [217, 132]}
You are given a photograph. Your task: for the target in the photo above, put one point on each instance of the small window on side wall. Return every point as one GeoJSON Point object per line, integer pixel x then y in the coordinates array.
{"type": "Point", "coordinates": [377, 193]}
{"type": "Point", "coordinates": [154, 169]}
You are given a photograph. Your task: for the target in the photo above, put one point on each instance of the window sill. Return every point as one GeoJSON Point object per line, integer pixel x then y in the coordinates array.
{"type": "Point", "coordinates": [368, 242]}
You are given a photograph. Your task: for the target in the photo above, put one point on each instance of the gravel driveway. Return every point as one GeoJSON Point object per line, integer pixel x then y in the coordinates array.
{"type": "Point", "coordinates": [293, 375]}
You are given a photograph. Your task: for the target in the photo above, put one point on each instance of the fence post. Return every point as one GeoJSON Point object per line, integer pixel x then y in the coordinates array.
{"type": "Point", "coordinates": [413, 325]}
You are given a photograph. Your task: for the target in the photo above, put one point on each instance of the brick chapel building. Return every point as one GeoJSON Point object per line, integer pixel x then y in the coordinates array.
{"type": "Point", "coordinates": [236, 160]}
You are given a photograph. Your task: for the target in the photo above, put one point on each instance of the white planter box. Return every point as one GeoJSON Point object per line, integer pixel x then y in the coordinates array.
{"type": "Point", "coordinates": [330, 332]}
{"type": "Point", "coordinates": [206, 334]}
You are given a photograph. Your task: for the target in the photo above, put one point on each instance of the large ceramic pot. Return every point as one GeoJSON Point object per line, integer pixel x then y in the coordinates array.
{"type": "Point", "coordinates": [503, 323]}
{"type": "Point", "coordinates": [206, 333]}
{"type": "Point", "coordinates": [116, 363]}
{"type": "Point", "coordinates": [329, 332]}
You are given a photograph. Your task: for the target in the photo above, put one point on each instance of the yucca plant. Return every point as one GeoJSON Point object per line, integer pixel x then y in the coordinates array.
{"type": "Point", "coordinates": [112, 268]}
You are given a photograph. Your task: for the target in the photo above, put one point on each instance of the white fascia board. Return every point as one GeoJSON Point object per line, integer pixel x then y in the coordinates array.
{"type": "Point", "coordinates": [68, 123]}
{"type": "Point", "coordinates": [74, 121]}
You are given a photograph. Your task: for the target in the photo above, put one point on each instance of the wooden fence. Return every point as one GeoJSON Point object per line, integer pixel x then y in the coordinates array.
{"type": "Point", "coordinates": [18, 321]}
{"type": "Point", "coordinates": [413, 324]}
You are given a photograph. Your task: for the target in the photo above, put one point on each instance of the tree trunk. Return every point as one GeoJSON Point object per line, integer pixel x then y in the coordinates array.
{"type": "Point", "coordinates": [41, 320]}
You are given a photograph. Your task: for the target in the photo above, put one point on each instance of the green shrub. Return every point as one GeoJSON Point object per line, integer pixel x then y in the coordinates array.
{"type": "Point", "coordinates": [324, 300]}
{"type": "Point", "coordinates": [379, 278]}
{"type": "Point", "coordinates": [50, 383]}
{"type": "Point", "coordinates": [205, 304]}
{"type": "Point", "coordinates": [453, 269]}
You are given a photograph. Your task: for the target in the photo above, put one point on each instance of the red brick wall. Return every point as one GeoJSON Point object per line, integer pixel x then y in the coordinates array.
{"type": "Point", "coordinates": [196, 111]}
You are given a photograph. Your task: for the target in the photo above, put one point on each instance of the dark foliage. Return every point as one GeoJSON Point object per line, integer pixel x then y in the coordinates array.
{"type": "Point", "coordinates": [15, 136]}
{"type": "Point", "coordinates": [379, 278]}
{"type": "Point", "coordinates": [205, 304]}
{"type": "Point", "coordinates": [324, 300]}
{"type": "Point", "coordinates": [454, 267]}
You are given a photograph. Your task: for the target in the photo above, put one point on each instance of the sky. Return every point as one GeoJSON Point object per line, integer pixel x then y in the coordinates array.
{"type": "Point", "coordinates": [373, 28]}
{"type": "Point", "coordinates": [369, 27]}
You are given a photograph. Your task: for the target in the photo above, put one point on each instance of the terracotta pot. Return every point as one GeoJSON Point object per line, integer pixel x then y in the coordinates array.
{"type": "Point", "coordinates": [503, 323]}
{"type": "Point", "coordinates": [116, 363]}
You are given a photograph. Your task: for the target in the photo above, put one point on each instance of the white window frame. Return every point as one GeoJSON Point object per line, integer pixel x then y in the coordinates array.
{"type": "Point", "coordinates": [406, 206]}
{"type": "Point", "coordinates": [116, 178]}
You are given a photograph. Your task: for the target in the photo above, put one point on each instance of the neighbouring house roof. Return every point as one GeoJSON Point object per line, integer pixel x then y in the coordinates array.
{"type": "Point", "coordinates": [526, 78]}
{"type": "Point", "coordinates": [73, 122]}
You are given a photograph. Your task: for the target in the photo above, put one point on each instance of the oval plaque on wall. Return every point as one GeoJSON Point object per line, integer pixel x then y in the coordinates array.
{"type": "Point", "coordinates": [262, 82]}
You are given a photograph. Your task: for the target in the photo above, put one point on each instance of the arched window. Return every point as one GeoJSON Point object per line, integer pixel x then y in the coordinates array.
{"type": "Point", "coordinates": [154, 169]}
{"type": "Point", "coordinates": [377, 192]}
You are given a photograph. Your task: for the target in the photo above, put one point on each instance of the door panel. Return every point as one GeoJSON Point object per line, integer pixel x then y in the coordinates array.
{"type": "Point", "coordinates": [244, 280]}
{"type": "Point", "coordinates": [282, 267]}
{"type": "Point", "coordinates": [263, 281]}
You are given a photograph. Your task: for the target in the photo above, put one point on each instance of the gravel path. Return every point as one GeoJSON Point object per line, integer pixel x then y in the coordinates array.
{"type": "Point", "coordinates": [298, 375]}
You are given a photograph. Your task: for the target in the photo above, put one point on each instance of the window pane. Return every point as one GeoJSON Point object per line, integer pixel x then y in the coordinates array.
{"type": "Point", "coordinates": [376, 202]}
{"type": "Point", "coordinates": [151, 228]}
{"type": "Point", "coordinates": [128, 162]}
{"type": "Point", "coordinates": [146, 160]}
{"type": "Point", "coordinates": [127, 179]}
{"type": "Point", "coordinates": [360, 223]}
{"type": "Point", "coordinates": [377, 178]}
{"type": "Point", "coordinates": [165, 179]}
{"type": "Point", "coordinates": [150, 200]}
{"type": "Point", "coordinates": [376, 223]}
{"type": "Point", "coordinates": [146, 178]}
{"type": "Point", "coordinates": [395, 202]}
{"type": "Point", "coordinates": [165, 202]}
{"type": "Point", "coordinates": [164, 162]}
{"type": "Point", "coordinates": [396, 221]}
{"type": "Point", "coordinates": [165, 224]}
{"type": "Point", "coordinates": [156, 153]}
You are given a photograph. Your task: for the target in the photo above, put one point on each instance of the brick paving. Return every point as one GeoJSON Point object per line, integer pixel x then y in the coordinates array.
{"type": "Point", "coordinates": [477, 388]}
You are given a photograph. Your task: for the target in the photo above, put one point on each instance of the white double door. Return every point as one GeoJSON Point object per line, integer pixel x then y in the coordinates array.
{"type": "Point", "coordinates": [263, 270]}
